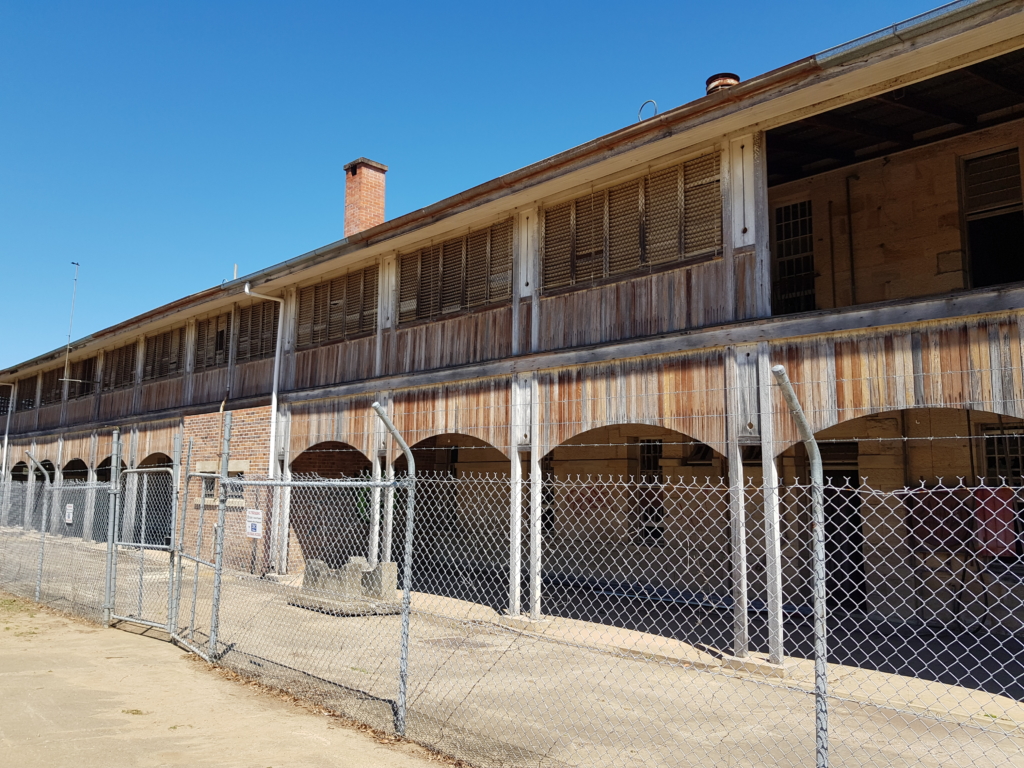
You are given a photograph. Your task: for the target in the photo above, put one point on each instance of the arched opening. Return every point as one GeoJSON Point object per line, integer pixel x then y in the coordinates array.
{"type": "Point", "coordinates": [50, 471]}
{"type": "Point", "coordinates": [103, 470]}
{"type": "Point", "coordinates": [148, 515]}
{"type": "Point", "coordinates": [636, 533]}
{"type": "Point", "coordinates": [18, 495]}
{"type": "Point", "coordinates": [330, 525]}
{"type": "Point", "coordinates": [75, 471]}
{"type": "Point", "coordinates": [331, 459]}
{"type": "Point", "coordinates": [923, 534]}
{"type": "Point", "coordinates": [461, 545]}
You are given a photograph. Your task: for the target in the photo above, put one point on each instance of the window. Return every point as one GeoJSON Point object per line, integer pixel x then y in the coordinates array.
{"type": "Point", "coordinates": [5, 400]}
{"type": "Point", "coordinates": [994, 218]}
{"type": "Point", "coordinates": [257, 330]}
{"type": "Point", "coordinates": [461, 273]}
{"type": "Point", "coordinates": [119, 368]}
{"type": "Point", "coordinates": [53, 387]}
{"type": "Point", "coordinates": [26, 398]}
{"type": "Point", "coordinates": [164, 355]}
{"type": "Point", "coordinates": [1004, 455]}
{"type": "Point", "coordinates": [793, 285]}
{"type": "Point", "coordinates": [213, 336]}
{"type": "Point", "coordinates": [83, 378]}
{"type": "Point", "coordinates": [664, 218]}
{"type": "Point", "coordinates": [338, 309]}
{"type": "Point", "coordinates": [650, 505]}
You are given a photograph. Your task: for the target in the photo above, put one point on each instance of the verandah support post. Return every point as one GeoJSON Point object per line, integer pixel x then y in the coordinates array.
{"type": "Point", "coordinates": [770, 501]}
{"type": "Point", "coordinates": [737, 510]}
{"type": "Point", "coordinates": [172, 543]}
{"type": "Point", "coordinates": [818, 567]}
{"type": "Point", "coordinates": [536, 531]}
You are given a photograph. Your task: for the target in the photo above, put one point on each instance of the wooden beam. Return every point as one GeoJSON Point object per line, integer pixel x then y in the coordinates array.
{"type": "Point", "coordinates": [925, 106]}
{"type": "Point", "coordinates": [808, 148]}
{"type": "Point", "coordinates": [998, 78]}
{"type": "Point", "coordinates": [858, 127]}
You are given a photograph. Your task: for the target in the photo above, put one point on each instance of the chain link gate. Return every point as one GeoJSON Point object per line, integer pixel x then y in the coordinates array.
{"type": "Point", "coordinates": [143, 563]}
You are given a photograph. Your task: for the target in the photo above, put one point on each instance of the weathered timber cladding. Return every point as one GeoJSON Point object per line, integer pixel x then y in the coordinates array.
{"type": "Point", "coordinates": [660, 303]}
{"type": "Point", "coordinates": [117, 404]}
{"type": "Point", "coordinates": [469, 338]}
{"type": "Point", "coordinates": [335, 363]}
{"type": "Point", "coordinates": [684, 393]}
{"type": "Point", "coordinates": [49, 416]}
{"type": "Point", "coordinates": [161, 394]}
{"type": "Point", "coordinates": [480, 409]}
{"type": "Point", "coordinates": [970, 363]}
{"type": "Point", "coordinates": [209, 386]}
{"type": "Point", "coordinates": [80, 410]}
{"type": "Point", "coordinates": [350, 420]}
{"type": "Point", "coordinates": [253, 378]}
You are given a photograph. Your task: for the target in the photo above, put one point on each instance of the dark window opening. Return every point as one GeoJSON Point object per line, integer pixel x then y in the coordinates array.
{"type": "Point", "coordinates": [793, 284]}
{"type": "Point", "coordinates": [649, 502]}
{"type": "Point", "coordinates": [994, 219]}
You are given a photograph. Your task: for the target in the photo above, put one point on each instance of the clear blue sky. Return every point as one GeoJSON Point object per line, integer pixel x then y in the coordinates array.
{"type": "Point", "coordinates": [160, 143]}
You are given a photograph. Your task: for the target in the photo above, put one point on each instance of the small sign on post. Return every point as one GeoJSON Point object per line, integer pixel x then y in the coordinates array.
{"type": "Point", "coordinates": [69, 514]}
{"type": "Point", "coordinates": [254, 523]}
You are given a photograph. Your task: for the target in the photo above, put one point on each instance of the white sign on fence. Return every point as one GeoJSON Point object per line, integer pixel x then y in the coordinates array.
{"type": "Point", "coordinates": [254, 523]}
{"type": "Point", "coordinates": [69, 514]}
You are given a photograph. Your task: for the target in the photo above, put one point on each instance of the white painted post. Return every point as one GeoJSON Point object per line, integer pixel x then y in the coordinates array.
{"type": "Point", "coordinates": [770, 491]}
{"type": "Point", "coordinates": [737, 509]}
{"type": "Point", "coordinates": [536, 497]}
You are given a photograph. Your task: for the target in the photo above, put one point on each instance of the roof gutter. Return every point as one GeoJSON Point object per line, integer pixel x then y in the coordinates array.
{"type": "Point", "coordinates": [903, 31]}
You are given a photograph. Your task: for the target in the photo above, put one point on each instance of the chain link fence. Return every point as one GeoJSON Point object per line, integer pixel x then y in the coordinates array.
{"type": "Point", "coordinates": [628, 623]}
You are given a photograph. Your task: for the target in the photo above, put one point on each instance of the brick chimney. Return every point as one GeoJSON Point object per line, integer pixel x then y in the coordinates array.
{"type": "Point", "coordinates": [364, 195]}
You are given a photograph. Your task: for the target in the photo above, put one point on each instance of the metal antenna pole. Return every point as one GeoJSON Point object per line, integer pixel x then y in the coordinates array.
{"type": "Point", "coordinates": [71, 322]}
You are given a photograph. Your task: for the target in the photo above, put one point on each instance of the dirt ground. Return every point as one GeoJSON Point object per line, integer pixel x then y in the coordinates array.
{"type": "Point", "coordinates": [72, 693]}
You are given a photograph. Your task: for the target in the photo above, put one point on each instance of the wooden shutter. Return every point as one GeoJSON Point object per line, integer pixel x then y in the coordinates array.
{"type": "Point", "coordinates": [702, 206]}
{"type": "Point", "coordinates": [478, 268]}
{"type": "Point", "coordinates": [368, 315]}
{"type": "Point", "coordinates": [52, 387]}
{"type": "Point", "coordinates": [203, 344]}
{"type": "Point", "coordinates": [624, 232]}
{"type": "Point", "coordinates": [26, 394]}
{"type": "Point", "coordinates": [408, 286]}
{"type": "Point", "coordinates": [304, 331]}
{"type": "Point", "coordinates": [588, 239]}
{"type": "Point", "coordinates": [336, 309]}
{"type": "Point", "coordinates": [453, 275]}
{"type": "Point", "coordinates": [557, 257]}
{"type": "Point", "coordinates": [499, 284]}
{"type": "Point", "coordinates": [428, 301]}
{"type": "Point", "coordinates": [992, 182]}
{"type": "Point", "coordinates": [244, 331]}
{"type": "Point", "coordinates": [662, 219]}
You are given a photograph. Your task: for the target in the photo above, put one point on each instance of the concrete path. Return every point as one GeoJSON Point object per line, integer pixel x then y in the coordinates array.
{"type": "Point", "coordinates": [74, 694]}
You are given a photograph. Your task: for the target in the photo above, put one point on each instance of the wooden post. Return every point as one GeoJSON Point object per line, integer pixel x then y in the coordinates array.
{"type": "Point", "coordinates": [772, 536]}
{"type": "Point", "coordinates": [737, 508]}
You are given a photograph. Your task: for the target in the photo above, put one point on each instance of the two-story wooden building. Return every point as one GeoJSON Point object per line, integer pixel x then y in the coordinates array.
{"type": "Point", "coordinates": [615, 309]}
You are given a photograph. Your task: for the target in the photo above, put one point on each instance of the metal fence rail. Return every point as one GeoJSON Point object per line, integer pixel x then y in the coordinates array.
{"type": "Point", "coordinates": [639, 655]}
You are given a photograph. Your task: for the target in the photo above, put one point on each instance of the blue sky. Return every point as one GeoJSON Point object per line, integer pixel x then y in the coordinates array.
{"type": "Point", "coordinates": [158, 144]}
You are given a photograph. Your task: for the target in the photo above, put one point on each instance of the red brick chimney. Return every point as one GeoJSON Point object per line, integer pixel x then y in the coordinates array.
{"type": "Point", "coordinates": [364, 195]}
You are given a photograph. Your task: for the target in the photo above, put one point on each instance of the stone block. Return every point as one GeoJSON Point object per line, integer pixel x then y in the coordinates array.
{"type": "Point", "coordinates": [380, 582]}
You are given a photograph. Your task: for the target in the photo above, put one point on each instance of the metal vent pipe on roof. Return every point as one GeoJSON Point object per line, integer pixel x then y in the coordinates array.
{"type": "Point", "coordinates": [721, 81]}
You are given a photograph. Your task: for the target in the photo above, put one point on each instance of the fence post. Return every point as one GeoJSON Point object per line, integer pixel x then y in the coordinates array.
{"type": "Point", "coordinates": [44, 521]}
{"type": "Point", "coordinates": [179, 542]}
{"type": "Point", "coordinates": [818, 567]}
{"type": "Point", "coordinates": [410, 501]}
{"type": "Point", "coordinates": [175, 479]}
{"type": "Point", "coordinates": [115, 479]}
{"type": "Point", "coordinates": [218, 535]}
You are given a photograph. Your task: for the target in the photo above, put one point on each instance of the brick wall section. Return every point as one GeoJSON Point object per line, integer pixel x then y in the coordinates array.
{"type": "Point", "coordinates": [364, 195]}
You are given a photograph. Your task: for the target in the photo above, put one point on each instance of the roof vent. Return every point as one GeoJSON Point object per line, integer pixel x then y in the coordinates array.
{"type": "Point", "coordinates": [721, 81]}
